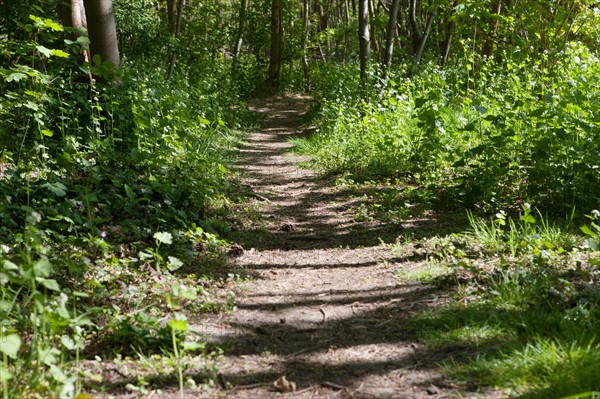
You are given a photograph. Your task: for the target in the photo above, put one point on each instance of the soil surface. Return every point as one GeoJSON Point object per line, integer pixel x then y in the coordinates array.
{"type": "Point", "coordinates": [324, 313]}
{"type": "Point", "coordinates": [325, 309]}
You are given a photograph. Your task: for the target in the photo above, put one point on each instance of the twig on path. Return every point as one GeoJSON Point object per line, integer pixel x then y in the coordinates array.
{"type": "Point", "coordinates": [260, 197]}
{"type": "Point", "coordinates": [324, 315]}
{"type": "Point", "coordinates": [249, 386]}
{"type": "Point", "coordinates": [333, 385]}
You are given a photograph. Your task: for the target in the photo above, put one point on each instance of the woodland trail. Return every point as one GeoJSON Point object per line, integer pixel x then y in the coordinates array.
{"type": "Point", "coordinates": [324, 307]}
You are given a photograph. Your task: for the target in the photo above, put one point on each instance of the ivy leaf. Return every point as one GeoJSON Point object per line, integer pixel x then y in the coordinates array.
{"type": "Point", "coordinates": [163, 237]}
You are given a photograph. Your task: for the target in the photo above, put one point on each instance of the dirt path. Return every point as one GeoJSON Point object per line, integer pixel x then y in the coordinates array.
{"type": "Point", "coordinates": [325, 309]}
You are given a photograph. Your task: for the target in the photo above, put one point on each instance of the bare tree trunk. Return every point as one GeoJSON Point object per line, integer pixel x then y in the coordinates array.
{"type": "Point", "coordinates": [421, 48]}
{"type": "Point", "coordinates": [363, 37]}
{"type": "Point", "coordinates": [305, 32]}
{"type": "Point", "coordinates": [239, 37]}
{"type": "Point", "coordinates": [391, 32]}
{"type": "Point", "coordinates": [449, 34]}
{"type": "Point", "coordinates": [276, 42]}
{"type": "Point", "coordinates": [102, 30]}
{"type": "Point", "coordinates": [373, 31]}
{"type": "Point", "coordinates": [414, 23]}
{"type": "Point", "coordinates": [172, 15]}
{"type": "Point", "coordinates": [488, 46]}
{"type": "Point", "coordinates": [176, 34]}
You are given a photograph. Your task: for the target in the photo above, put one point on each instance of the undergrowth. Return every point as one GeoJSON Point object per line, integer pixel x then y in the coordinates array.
{"type": "Point", "coordinates": [114, 195]}
{"type": "Point", "coordinates": [524, 316]}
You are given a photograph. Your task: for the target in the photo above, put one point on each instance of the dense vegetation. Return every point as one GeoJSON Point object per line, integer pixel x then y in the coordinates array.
{"type": "Point", "coordinates": [116, 191]}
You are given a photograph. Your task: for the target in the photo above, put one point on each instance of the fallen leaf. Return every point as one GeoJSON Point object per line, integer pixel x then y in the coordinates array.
{"type": "Point", "coordinates": [283, 385]}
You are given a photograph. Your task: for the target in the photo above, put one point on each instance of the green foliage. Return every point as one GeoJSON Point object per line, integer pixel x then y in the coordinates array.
{"type": "Point", "coordinates": [526, 311]}
{"type": "Point", "coordinates": [107, 190]}
{"type": "Point", "coordinates": [493, 138]}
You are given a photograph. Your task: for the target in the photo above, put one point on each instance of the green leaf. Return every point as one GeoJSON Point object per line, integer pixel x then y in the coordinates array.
{"type": "Point", "coordinates": [130, 193]}
{"type": "Point", "coordinates": [587, 231]}
{"type": "Point", "coordinates": [527, 218]}
{"type": "Point", "coordinates": [46, 51]}
{"type": "Point", "coordinates": [57, 188]}
{"type": "Point", "coordinates": [5, 375]}
{"type": "Point", "coordinates": [49, 283]}
{"type": "Point", "coordinates": [53, 25]}
{"type": "Point", "coordinates": [49, 356]}
{"type": "Point", "coordinates": [178, 325]}
{"type": "Point", "coordinates": [47, 132]}
{"type": "Point", "coordinates": [593, 244]}
{"type": "Point", "coordinates": [16, 77]}
{"type": "Point", "coordinates": [163, 237]}
{"type": "Point", "coordinates": [174, 263]}
{"type": "Point", "coordinates": [10, 345]}
{"type": "Point", "coordinates": [203, 121]}
{"type": "Point", "coordinates": [42, 268]}
{"type": "Point", "coordinates": [60, 53]}
{"type": "Point", "coordinates": [193, 346]}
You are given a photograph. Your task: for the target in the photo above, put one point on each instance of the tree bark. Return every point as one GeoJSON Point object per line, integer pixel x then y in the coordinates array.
{"type": "Point", "coordinates": [363, 37]}
{"type": "Point", "coordinates": [176, 33]}
{"type": "Point", "coordinates": [172, 15]}
{"type": "Point", "coordinates": [239, 38]}
{"type": "Point", "coordinates": [488, 46]}
{"type": "Point", "coordinates": [305, 31]}
{"type": "Point", "coordinates": [421, 48]}
{"type": "Point", "coordinates": [276, 42]}
{"type": "Point", "coordinates": [102, 30]}
{"type": "Point", "coordinates": [391, 32]}
{"type": "Point", "coordinates": [449, 35]}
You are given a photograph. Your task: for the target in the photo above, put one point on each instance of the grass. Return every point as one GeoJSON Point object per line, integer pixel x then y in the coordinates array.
{"type": "Point", "coordinates": [525, 314]}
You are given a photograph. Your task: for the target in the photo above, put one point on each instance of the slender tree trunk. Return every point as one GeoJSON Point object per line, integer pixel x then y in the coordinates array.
{"type": "Point", "coordinates": [488, 46]}
{"type": "Point", "coordinates": [414, 23]}
{"type": "Point", "coordinates": [363, 37]}
{"type": "Point", "coordinates": [102, 30]}
{"type": "Point", "coordinates": [276, 42]}
{"type": "Point", "coordinates": [172, 15]}
{"type": "Point", "coordinates": [373, 31]}
{"type": "Point", "coordinates": [305, 32]}
{"type": "Point", "coordinates": [391, 32]}
{"type": "Point", "coordinates": [176, 34]}
{"type": "Point", "coordinates": [421, 48]}
{"type": "Point", "coordinates": [239, 38]}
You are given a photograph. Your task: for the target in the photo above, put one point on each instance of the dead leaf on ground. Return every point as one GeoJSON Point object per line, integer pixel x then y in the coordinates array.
{"type": "Point", "coordinates": [283, 385]}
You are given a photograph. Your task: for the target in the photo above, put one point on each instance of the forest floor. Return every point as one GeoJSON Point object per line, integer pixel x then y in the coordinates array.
{"type": "Point", "coordinates": [323, 310]}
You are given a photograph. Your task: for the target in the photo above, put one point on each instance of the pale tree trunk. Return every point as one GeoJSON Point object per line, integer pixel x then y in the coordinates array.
{"type": "Point", "coordinates": [276, 42]}
{"type": "Point", "coordinates": [363, 37]}
{"type": "Point", "coordinates": [305, 31]}
{"type": "Point", "coordinates": [102, 30]}
{"type": "Point", "coordinates": [373, 31]}
{"type": "Point", "coordinates": [239, 38]}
